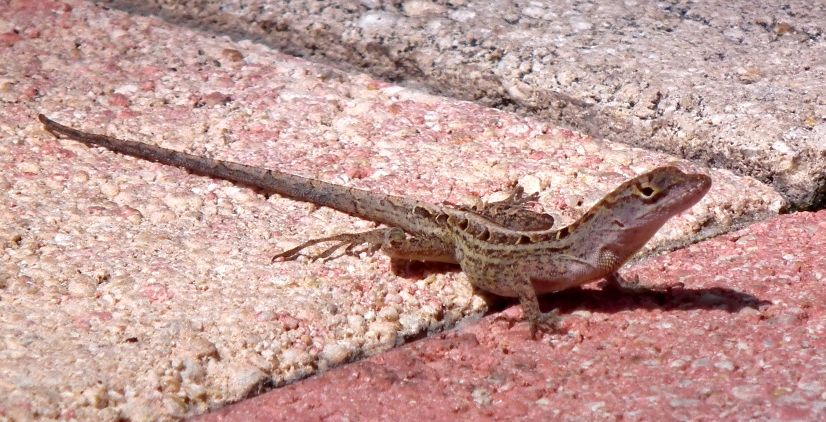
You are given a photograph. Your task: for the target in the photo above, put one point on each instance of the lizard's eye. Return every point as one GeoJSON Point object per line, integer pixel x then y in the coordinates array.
{"type": "Point", "coordinates": [646, 191]}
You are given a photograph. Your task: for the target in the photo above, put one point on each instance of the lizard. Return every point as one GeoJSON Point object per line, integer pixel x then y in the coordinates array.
{"type": "Point", "coordinates": [503, 248]}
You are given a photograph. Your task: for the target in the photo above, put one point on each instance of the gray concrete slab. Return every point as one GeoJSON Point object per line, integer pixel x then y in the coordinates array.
{"type": "Point", "coordinates": [734, 84]}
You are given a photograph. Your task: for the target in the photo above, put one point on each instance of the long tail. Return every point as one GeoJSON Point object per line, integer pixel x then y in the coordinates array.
{"type": "Point", "coordinates": [386, 209]}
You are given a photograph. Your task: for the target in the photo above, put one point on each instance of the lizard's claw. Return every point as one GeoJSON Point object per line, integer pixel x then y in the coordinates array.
{"type": "Point", "coordinates": [548, 322]}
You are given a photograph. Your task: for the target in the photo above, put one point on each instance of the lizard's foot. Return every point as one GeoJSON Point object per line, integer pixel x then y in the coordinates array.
{"type": "Point", "coordinates": [352, 244]}
{"type": "Point", "coordinates": [547, 322]}
{"type": "Point", "coordinates": [511, 281]}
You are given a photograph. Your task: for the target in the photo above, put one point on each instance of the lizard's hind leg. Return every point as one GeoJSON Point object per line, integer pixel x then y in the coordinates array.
{"type": "Point", "coordinates": [393, 241]}
{"type": "Point", "coordinates": [350, 242]}
{"type": "Point", "coordinates": [404, 251]}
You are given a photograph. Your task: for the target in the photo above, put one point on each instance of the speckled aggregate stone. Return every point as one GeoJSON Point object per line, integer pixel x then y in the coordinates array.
{"type": "Point", "coordinates": [743, 340]}
{"type": "Point", "coordinates": [735, 84]}
{"type": "Point", "coordinates": [131, 290]}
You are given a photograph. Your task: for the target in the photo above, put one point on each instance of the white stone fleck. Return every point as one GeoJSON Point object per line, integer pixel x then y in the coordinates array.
{"type": "Point", "coordinates": [781, 147]}
{"type": "Point", "coordinates": [377, 21]}
{"type": "Point", "coordinates": [461, 15]}
{"type": "Point", "coordinates": [334, 354]}
{"type": "Point", "coordinates": [127, 89]}
{"type": "Point", "coordinates": [63, 239]}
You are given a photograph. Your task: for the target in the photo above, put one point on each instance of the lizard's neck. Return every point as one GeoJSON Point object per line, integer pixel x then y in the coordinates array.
{"type": "Point", "coordinates": [606, 228]}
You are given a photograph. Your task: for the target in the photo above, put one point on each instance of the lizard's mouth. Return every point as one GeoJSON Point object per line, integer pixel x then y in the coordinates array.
{"type": "Point", "coordinates": [682, 196]}
{"type": "Point", "coordinates": [697, 186]}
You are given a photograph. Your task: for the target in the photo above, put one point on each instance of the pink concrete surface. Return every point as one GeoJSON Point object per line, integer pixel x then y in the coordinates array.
{"type": "Point", "coordinates": [742, 340]}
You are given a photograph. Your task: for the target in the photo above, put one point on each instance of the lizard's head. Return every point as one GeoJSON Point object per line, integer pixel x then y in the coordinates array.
{"type": "Point", "coordinates": [639, 207]}
{"type": "Point", "coordinates": [656, 196]}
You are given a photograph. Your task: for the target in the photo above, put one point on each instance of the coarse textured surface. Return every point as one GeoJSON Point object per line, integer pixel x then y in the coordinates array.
{"type": "Point", "coordinates": [742, 340]}
{"type": "Point", "coordinates": [737, 84]}
{"type": "Point", "coordinates": [133, 290]}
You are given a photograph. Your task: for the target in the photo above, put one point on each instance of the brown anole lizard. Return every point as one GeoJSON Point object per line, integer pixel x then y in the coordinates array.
{"type": "Point", "coordinates": [503, 247]}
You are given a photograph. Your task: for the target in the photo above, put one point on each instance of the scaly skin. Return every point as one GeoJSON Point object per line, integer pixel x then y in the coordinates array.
{"type": "Point", "coordinates": [502, 247]}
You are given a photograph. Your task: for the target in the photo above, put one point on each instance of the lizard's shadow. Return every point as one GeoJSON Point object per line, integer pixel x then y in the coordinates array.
{"type": "Point", "coordinates": [680, 298]}
{"type": "Point", "coordinates": [614, 300]}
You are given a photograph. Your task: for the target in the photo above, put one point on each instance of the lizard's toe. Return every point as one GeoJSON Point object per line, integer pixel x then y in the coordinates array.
{"type": "Point", "coordinates": [548, 322]}
{"type": "Point", "coordinates": [509, 319]}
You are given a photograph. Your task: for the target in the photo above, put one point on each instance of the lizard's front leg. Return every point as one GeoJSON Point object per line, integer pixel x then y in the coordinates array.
{"type": "Point", "coordinates": [538, 320]}
{"type": "Point", "coordinates": [511, 282]}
